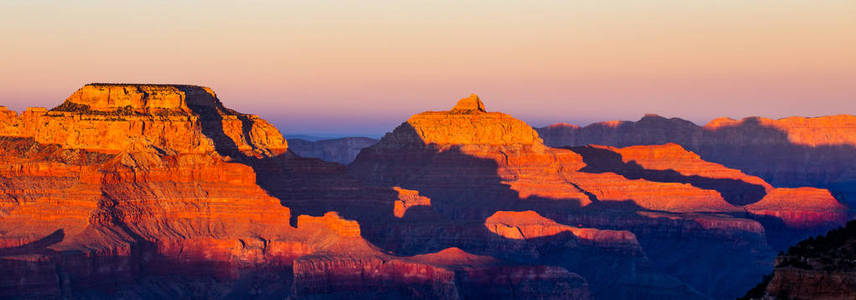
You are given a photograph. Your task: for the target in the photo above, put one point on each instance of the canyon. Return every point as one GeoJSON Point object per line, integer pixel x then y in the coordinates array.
{"type": "Point", "coordinates": [789, 152]}
{"type": "Point", "coordinates": [160, 191]}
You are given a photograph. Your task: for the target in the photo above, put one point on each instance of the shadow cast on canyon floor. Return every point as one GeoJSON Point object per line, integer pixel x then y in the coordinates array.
{"type": "Point", "coordinates": [750, 146]}
{"type": "Point", "coordinates": [36, 247]}
{"type": "Point", "coordinates": [600, 160]}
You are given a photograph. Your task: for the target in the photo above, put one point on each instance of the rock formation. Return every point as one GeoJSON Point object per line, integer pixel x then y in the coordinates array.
{"type": "Point", "coordinates": [113, 118]}
{"type": "Point", "coordinates": [818, 268]}
{"type": "Point", "coordinates": [789, 152]}
{"type": "Point", "coordinates": [474, 164]}
{"type": "Point", "coordinates": [159, 191]}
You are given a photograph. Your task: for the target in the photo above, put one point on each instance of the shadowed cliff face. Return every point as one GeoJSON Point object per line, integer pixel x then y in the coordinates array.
{"type": "Point", "coordinates": [820, 267]}
{"type": "Point", "coordinates": [789, 152]}
{"type": "Point", "coordinates": [602, 160]}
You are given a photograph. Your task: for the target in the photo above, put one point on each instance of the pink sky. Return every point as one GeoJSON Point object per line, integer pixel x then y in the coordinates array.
{"type": "Point", "coordinates": [362, 67]}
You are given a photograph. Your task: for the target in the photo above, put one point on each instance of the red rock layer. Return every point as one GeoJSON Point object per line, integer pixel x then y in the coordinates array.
{"type": "Point", "coordinates": [530, 225]}
{"type": "Point", "coordinates": [134, 117]}
{"type": "Point", "coordinates": [467, 123]}
{"type": "Point", "coordinates": [801, 207]}
{"type": "Point", "coordinates": [407, 199]}
{"type": "Point", "coordinates": [672, 156]}
{"type": "Point", "coordinates": [448, 274]}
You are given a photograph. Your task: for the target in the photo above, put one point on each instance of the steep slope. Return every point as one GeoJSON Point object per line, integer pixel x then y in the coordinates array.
{"type": "Point", "coordinates": [124, 181]}
{"type": "Point", "coordinates": [817, 268]}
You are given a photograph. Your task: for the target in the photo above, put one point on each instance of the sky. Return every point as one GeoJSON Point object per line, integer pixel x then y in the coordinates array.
{"type": "Point", "coordinates": [363, 67]}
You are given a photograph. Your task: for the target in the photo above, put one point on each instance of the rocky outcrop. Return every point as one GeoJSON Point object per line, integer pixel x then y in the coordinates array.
{"type": "Point", "coordinates": [466, 124]}
{"type": "Point", "coordinates": [408, 199]}
{"type": "Point", "coordinates": [113, 118]}
{"type": "Point", "coordinates": [341, 150]}
{"type": "Point", "coordinates": [817, 268]}
{"type": "Point", "coordinates": [127, 183]}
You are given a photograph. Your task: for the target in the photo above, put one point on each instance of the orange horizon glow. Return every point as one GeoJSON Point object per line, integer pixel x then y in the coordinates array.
{"type": "Point", "coordinates": [364, 67]}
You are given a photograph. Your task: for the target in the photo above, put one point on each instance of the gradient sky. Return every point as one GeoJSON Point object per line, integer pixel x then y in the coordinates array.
{"type": "Point", "coordinates": [363, 67]}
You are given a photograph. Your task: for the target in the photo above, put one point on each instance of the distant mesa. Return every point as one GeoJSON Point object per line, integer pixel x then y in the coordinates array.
{"type": "Point", "coordinates": [165, 118]}
{"type": "Point", "coordinates": [110, 97]}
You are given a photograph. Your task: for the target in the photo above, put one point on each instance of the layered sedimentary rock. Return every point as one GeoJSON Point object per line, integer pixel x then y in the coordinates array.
{"type": "Point", "coordinates": [158, 191]}
{"type": "Point", "coordinates": [113, 118]}
{"type": "Point", "coordinates": [122, 181]}
{"type": "Point", "coordinates": [341, 150]}
{"type": "Point", "coordinates": [804, 207]}
{"type": "Point", "coordinates": [674, 157]}
{"type": "Point", "coordinates": [789, 152]}
{"type": "Point", "coordinates": [448, 274]}
{"type": "Point", "coordinates": [527, 225]}
{"type": "Point", "coordinates": [473, 165]}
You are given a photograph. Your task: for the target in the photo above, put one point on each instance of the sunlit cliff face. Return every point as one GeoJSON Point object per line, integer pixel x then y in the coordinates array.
{"type": "Point", "coordinates": [126, 182]}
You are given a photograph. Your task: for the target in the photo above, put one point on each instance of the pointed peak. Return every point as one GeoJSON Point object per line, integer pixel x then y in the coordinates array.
{"type": "Point", "coordinates": [469, 104]}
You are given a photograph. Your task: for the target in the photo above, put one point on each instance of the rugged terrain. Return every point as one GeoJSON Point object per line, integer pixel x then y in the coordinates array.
{"type": "Point", "coordinates": [822, 267]}
{"type": "Point", "coordinates": [159, 191]}
{"type": "Point", "coordinates": [472, 164]}
{"type": "Point", "coordinates": [790, 152]}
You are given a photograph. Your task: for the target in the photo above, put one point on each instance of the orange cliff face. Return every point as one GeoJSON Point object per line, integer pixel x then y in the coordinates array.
{"type": "Point", "coordinates": [124, 117]}
{"type": "Point", "coordinates": [125, 182]}
{"type": "Point", "coordinates": [138, 175]}
{"type": "Point", "coordinates": [672, 156]}
{"type": "Point", "coordinates": [803, 207]}
{"type": "Point", "coordinates": [120, 165]}
{"type": "Point", "coordinates": [468, 123]}
{"type": "Point", "coordinates": [526, 225]}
